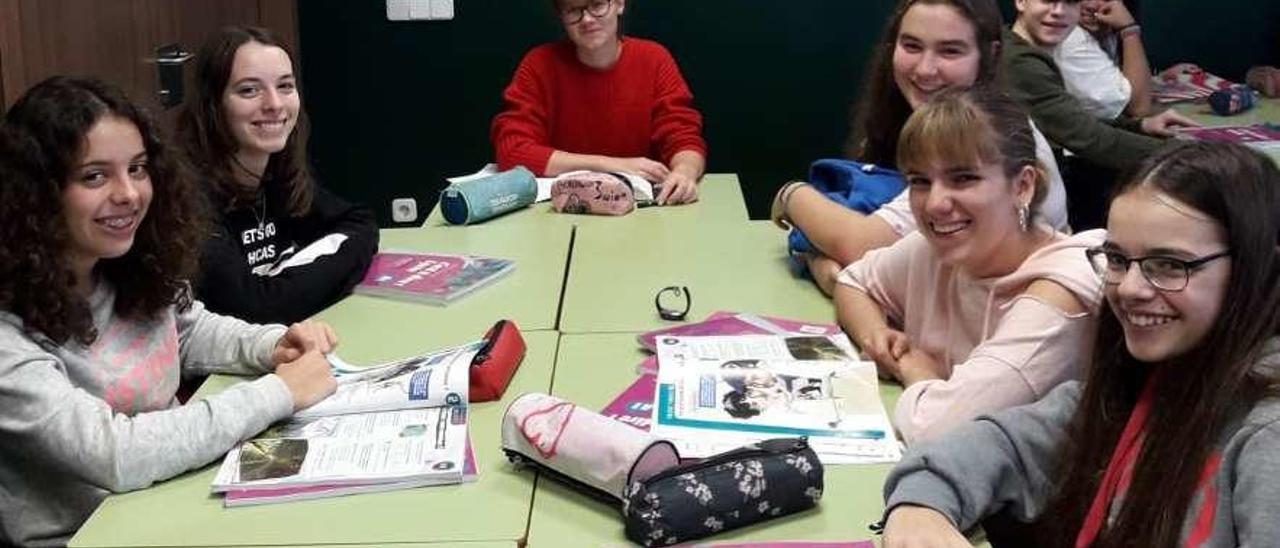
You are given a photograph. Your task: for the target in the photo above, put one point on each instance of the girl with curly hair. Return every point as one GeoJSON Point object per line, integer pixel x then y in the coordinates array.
{"type": "Point", "coordinates": [97, 323]}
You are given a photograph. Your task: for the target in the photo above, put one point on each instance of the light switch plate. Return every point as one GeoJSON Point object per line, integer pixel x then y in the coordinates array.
{"type": "Point", "coordinates": [441, 10]}
{"type": "Point", "coordinates": [397, 10]}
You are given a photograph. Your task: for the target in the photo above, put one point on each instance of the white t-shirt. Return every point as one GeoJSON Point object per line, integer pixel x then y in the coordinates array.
{"type": "Point", "coordinates": [1091, 75]}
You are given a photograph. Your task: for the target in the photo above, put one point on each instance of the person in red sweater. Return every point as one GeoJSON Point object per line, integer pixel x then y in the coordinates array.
{"type": "Point", "coordinates": [603, 102]}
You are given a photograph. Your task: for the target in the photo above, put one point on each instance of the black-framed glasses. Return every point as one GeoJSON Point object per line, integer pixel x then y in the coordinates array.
{"type": "Point", "coordinates": [1164, 273]}
{"type": "Point", "coordinates": [597, 8]}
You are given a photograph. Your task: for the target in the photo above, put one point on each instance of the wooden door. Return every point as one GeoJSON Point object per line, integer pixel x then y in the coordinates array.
{"type": "Point", "coordinates": [116, 39]}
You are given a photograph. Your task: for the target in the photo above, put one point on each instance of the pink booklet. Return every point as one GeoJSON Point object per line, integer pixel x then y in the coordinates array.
{"type": "Point", "coordinates": [251, 497]}
{"type": "Point", "coordinates": [634, 406]}
{"type": "Point", "coordinates": [788, 544]}
{"type": "Point", "coordinates": [433, 278]}
{"type": "Point", "coordinates": [1257, 135]}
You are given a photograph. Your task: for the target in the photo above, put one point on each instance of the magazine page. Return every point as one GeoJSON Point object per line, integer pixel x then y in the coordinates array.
{"type": "Point", "coordinates": [436, 378]}
{"type": "Point", "coordinates": [248, 497]}
{"type": "Point", "coordinates": [391, 446]}
{"type": "Point", "coordinates": [731, 323]}
{"type": "Point", "coordinates": [717, 393]}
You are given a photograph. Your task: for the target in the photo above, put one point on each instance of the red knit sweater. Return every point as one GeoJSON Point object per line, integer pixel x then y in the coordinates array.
{"type": "Point", "coordinates": [640, 106]}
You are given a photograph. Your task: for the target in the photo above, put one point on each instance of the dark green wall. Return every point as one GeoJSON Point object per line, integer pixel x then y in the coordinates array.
{"type": "Point", "coordinates": [398, 106]}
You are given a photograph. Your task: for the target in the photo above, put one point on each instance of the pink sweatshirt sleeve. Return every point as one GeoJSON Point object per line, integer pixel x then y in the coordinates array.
{"type": "Point", "coordinates": [1034, 347]}
{"type": "Point", "coordinates": [885, 274]}
{"type": "Point", "coordinates": [521, 132]}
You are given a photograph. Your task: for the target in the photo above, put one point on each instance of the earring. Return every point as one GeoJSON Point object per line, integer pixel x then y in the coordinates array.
{"type": "Point", "coordinates": [1023, 213]}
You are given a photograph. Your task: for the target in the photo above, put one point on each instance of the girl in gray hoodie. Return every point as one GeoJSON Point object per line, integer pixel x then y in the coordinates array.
{"type": "Point", "coordinates": [97, 323]}
{"type": "Point", "coordinates": [1174, 437]}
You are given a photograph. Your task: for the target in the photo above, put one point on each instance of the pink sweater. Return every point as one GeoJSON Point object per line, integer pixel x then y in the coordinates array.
{"type": "Point", "coordinates": [1007, 348]}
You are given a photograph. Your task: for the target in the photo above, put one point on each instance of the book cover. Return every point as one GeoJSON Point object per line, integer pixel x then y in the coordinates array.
{"type": "Point", "coordinates": [634, 406]}
{"type": "Point", "coordinates": [432, 278]}
{"type": "Point", "coordinates": [250, 497]}
{"type": "Point", "coordinates": [1262, 136]}
{"type": "Point", "coordinates": [734, 323]}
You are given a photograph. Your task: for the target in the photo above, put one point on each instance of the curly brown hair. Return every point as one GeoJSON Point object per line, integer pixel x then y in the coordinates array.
{"type": "Point", "coordinates": [208, 142]}
{"type": "Point", "coordinates": [41, 140]}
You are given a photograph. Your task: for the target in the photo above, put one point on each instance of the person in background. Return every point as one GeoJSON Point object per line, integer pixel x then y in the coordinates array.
{"type": "Point", "coordinates": [1035, 80]}
{"type": "Point", "coordinates": [1174, 437]}
{"type": "Point", "coordinates": [1104, 63]}
{"type": "Point", "coordinates": [97, 321]}
{"type": "Point", "coordinates": [282, 247]}
{"type": "Point", "coordinates": [981, 308]}
{"type": "Point", "coordinates": [928, 46]}
{"type": "Point", "coordinates": [602, 101]}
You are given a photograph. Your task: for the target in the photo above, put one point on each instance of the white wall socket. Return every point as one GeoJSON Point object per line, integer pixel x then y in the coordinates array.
{"type": "Point", "coordinates": [404, 210]}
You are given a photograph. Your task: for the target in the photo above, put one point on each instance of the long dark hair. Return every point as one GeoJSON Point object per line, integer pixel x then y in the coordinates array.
{"type": "Point", "coordinates": [208, 142]}
{"type": "Point", "coordinates": [1199, 393]}
{"type": "Point", "coordinates": [882, 109]}
{"type": "Point", "coordinates": [41, 140]}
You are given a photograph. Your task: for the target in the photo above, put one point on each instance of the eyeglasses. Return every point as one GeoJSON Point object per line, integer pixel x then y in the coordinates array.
{"type": "Point", "coordinates": [597, 8]}
{"type": "Point", "coordinates": [1164, 273]}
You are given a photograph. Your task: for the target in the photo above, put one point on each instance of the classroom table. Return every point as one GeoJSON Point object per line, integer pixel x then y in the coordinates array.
{"type": "Point", "coordinates": [590, 370]}
{"type": "Point", "coordinates": [1265, 110]}
{"type": "Point", "coordinates": [491, 512]}
{"type": "Point", "coordinates": [719, 199]}
{"type": "Point", "coordinates": [737, 266]}
{"type": "Point", "coordinates": [530, 295]}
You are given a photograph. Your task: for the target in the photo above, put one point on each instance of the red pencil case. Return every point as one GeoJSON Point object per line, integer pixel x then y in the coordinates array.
{"type": "Point", "coordinates": [496, 361]}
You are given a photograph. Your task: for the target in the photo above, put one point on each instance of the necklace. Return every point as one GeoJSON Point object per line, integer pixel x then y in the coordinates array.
{"type": "Point", "coordinates": [259, 210]}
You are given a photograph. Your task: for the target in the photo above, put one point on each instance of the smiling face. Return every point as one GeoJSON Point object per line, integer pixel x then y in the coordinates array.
{"type": "Point", "coordinates": [261, 102]}
{"type": "Point", "coordinates": [593, 32]}
{"type": "Point", "coordinates": [1047, 22]}
{"type": "Point", "coordinates": [1159, 325]}
{"type": "Point", "coordinates": [968, 210]}
{"type": "Point", "coordinates": [106, 195]}
{"type": "Point", "coordinates": [936, 49]}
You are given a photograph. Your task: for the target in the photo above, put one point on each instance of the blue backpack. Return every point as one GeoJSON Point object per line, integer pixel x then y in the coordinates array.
{"type": "Point", "coordinates": [857, 186]}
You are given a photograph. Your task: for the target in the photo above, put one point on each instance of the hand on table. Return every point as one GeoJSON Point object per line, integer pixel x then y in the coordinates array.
{"type": "Point", "coordinates": [916, 365]}
{"type": "Point", "coordinates": [309, 378]}
{"type": "Point", "coordinates": [644, 167]}
{"type": "Point", "coordinates": [885, 346]}
{"type": "Point", "coordinates": [1162, 125]}
{"type": "Point", "coordinates": [677, 188]}
{"type": "Point", "coordinates": [303, 337]}
{"type": "Point", "coordinates": [1264, 79]}
{"type": "Point", "coordinates": [910, 526]}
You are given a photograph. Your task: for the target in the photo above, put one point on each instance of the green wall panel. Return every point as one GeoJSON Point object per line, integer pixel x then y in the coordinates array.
{"type": "Point", "coordinates": [398, 106]}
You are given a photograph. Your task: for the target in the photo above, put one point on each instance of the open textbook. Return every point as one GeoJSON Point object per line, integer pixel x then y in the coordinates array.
{"type": "Point", "coordinates": [718, 393]}
{"type": "Point", "coordinates": [397, 425]}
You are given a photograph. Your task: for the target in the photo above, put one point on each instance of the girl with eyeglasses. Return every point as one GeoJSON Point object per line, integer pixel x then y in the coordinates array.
{"type": "Point", "coordinates": [602, 101]}
{"type": "Point", "coordinates": [981, 308]}
{"type": "Point", "coordinates": [1174, 437]}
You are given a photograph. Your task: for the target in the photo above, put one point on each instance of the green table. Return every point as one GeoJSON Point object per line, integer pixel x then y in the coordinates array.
{"type": "Point", "coordinates": [719, 199]}
{"type": "Point", "coordinates": [590, 370]}
{"type": "Point", "coordinates": [530, 295]}
{"type": "Point", "coordinates": [494, 510]}
{"type": "Point", "coordinates": [1265, 110]}
{"type": "Point", "coordinates": [738, 266]}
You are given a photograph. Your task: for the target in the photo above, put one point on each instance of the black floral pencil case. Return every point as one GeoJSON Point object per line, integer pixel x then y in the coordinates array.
{"type": "Point", "coordinates": [734, 489]}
